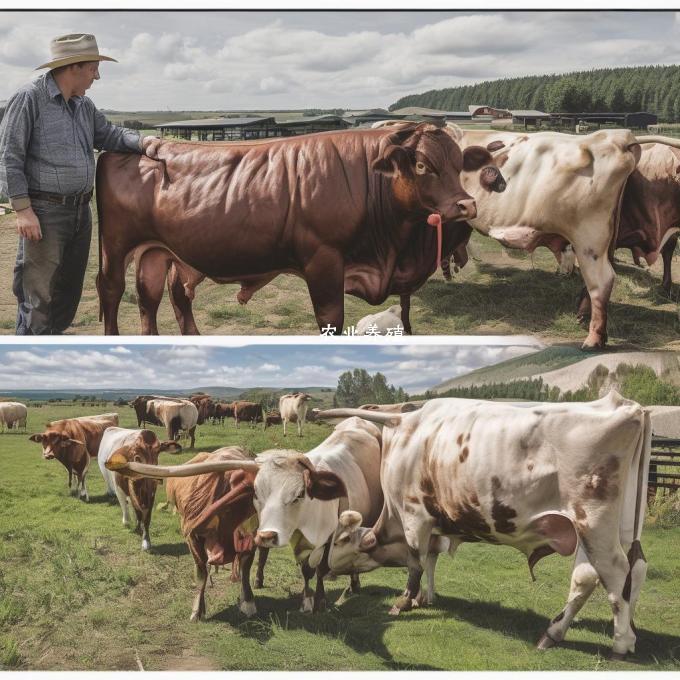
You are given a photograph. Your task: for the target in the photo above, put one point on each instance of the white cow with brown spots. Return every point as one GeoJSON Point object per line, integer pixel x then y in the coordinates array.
{"type": "Point", "coordinates": [176, 414]}
{"type": "Point", "coordinates": [542, 478]}
{"type": "Point", "coordinates": [293, 408]}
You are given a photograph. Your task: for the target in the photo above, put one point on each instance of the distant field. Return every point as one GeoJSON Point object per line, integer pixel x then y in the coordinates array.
{"type": "Point", "coordinates": [77, 593]}
{"type": "Point", "coordinates": [496, 293]}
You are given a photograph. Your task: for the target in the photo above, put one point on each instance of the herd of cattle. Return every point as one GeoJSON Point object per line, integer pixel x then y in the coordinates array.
{"type": "Point", "coordinates": [398, 485]}
{"type": "Point", "coordinates": [353, 212]}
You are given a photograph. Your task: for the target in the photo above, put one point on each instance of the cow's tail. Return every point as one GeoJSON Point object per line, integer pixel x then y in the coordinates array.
{"type": "Point", "coordinates": [100, 216]}
{"type": "Point", "coordinates": [633, 516]}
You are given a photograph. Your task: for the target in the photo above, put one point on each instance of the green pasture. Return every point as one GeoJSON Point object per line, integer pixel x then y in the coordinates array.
{"type": "Point", "coordinates": [77, 592]}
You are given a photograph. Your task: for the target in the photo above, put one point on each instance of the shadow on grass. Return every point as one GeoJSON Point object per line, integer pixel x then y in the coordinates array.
{"type": "Point", "coordinates": [172, 549]}
{"type": "Point", "coordinates": [532, 301]}
{"type": "Point", "coordinates": [361, 623]}
{"type": "Point", "coordinates": [105, 499]}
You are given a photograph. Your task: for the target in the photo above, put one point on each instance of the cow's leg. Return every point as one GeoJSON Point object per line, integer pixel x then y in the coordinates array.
{"type": "Point", "coordinates": [192, 434]}
{"type": "Point", "coordinates": [417, 530]}
{"type": "Point", "coordinates": [321, 571]}
{"type": "Point", "coordinates": [405, 301]}
{"type": "Point", "coordinates": [667, 256]}
{"type": "Point", "coordinates": [83, 488]}
{"type": "Point", "coordinates": [299, 425]}
{"type": "Point", "coordinates": [110, 284]}
{"type": "Point", "coordinates": [583, 310]}
{"type": "Point", "coordinates": [583, 581]}
{"type": "Point", "coordinates": [146, 521]}
{"type": "Point", "coordinates": [197, 548]}
{"type": "Point", "coordinates": [307, 593]}
{"type": "Point", "coordinates": [246, 598]}
{"type": "Point", "coordinates": [70, 479]}
{"type": "Point", "coordinates": [122, 500]}
{"type": "Point", "coordinates": [181, 304]}
{"type": "Point", "coordinates": [284, 427]}
{"type": "Point", "coordinates": [325, 277]}
{"type": "Point", "coordinates": [262, 555]}
{"type": "Point", "coordinates": [598, 275]}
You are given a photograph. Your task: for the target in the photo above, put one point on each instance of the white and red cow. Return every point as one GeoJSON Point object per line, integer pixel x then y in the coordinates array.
{"type": "Point", "coordinates": [13, 414]}
{"type": "Point", "coordinates": [541, 478]}
{"type": "Point", "coordinates": [73, 442]}
{"type": "Point", "coordinates": [140, 446]}
{"type": "Point", "coordinates": [176, 415]}
{"type": "Point", "coordinates": [293, 408]}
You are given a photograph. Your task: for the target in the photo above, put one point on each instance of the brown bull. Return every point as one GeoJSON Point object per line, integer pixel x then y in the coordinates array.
{"type": "Point", "coordinates": [337, 209]}
{"type": "Point", "coordinates": [213, 509]}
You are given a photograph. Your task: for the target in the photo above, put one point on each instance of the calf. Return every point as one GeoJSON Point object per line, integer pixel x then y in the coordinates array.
{"type": "Point", "coordinates": [73, 442]}
{"type": "Point", "coordinates": [217, 516]}
{"type": "Point", "coordinates": [542, 478]}
{"type": "Point", "coordinates": [141, 446]}
{"type": "Point", "coordinates": [293, 407]}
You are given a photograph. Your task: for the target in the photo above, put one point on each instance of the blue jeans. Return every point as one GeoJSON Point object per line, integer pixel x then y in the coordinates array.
{"type": "Point", "coordinates": [49, 274]}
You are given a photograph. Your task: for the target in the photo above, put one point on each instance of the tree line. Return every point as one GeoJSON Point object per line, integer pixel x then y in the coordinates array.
{"type": "Point", "coordinates": [641, 88]}
{"type": "Point", "coordinates": [639, 383]}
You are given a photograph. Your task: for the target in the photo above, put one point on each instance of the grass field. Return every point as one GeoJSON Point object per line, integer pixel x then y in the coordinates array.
{"type": "Point", "coordinates": [496, 293]}
{"type": "Point", "coordinates": [76, 592]}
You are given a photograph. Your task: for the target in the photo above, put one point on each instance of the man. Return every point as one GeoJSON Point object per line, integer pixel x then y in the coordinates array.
{"type": "Point", "coordinates": [47, 167]}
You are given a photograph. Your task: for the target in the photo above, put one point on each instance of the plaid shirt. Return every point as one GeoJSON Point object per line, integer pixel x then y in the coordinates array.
{"type": "Point", "coordinates": [47, 144]}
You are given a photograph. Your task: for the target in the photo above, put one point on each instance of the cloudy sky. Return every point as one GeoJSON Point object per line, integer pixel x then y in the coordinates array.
{"type": "Point", "coordinates": [268, 60]}
{"type": "Point", "coordinates": [168, 367]}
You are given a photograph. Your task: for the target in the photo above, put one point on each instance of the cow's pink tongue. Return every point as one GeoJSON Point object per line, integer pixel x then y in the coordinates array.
{"type": "Point", "coordinates": [435, 220]}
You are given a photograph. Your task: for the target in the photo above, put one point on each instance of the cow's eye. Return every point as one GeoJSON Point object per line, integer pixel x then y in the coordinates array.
{"type": "Point", "coordinates": [421, 168]}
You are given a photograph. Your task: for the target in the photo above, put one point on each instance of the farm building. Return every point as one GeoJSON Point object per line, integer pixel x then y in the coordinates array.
{"type": "Point", "coordinates": [220, 129]}
{"type": "Point", "coordinates": [529, 117]}
{"type": "Point", "coordinates": [638, 120]}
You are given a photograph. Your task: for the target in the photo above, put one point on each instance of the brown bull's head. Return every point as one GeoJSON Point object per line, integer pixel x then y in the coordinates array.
{"type": "Point", "coordinates": [57, 444]}
{"type": "Point", "coordinates": [426, 164]}
{"type": "Point", "coordinates": [145, 449]}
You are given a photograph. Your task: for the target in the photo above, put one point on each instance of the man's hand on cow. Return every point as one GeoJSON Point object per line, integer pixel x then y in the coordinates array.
{"type": "Point", "coordinates": [28, 225]}
{"type": "Point", "coordinates": [150, 146]}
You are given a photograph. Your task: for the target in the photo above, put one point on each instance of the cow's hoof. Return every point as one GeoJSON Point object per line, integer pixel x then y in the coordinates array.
{"type": "Point", "coordinates": [307, 605]}
{"type": "Point", "coordinates": [592, 346]}
{"type": "Point", "coordinates": [248, 608]}
{"type": "Point", "coordinates": [546, 642]}
{"type": "Point", "coordinates": [195, 617]}
{"type": "Point", "coordinates": [617, 656]}
{"type": "Point", "coordinates": [259, 583]}
{"type": "Point", "coordinates": [146, 545]}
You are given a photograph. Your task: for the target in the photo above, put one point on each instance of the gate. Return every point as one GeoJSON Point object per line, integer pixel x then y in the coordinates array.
{"type": "Point", "coordinates": [664, 465]}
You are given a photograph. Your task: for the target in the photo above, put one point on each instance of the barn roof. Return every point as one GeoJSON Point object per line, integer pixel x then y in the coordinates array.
{"type": "Point", "coordinates": [215, 122]}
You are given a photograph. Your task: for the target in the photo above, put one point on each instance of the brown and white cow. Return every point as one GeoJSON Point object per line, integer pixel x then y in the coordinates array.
{"type": "Point", "coordinates": [542, 478]}
{"type": "Point", "coordinates": [248, 411]}
{"type": "Point", "coordinates": [140, 446]}
{"type": "Point", "coordinates": [218, 519]}
{"type": "Point", "coordinates": [359, 196]}
{"type": "Point", "coordinates": [73, 442]}
{"type": "Point", "coordinates": [143, 416]}
{"type": "Point", "coordinates": [176, 415]}
{"type": "Point", "coordinates": [293, 408]}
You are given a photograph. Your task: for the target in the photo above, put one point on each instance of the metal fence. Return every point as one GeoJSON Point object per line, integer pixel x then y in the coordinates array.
{"type": "Point", "coordinates": [664, 465]}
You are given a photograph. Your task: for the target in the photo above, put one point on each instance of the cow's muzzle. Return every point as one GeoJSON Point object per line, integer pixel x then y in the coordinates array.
{"type": "Point", "coordinates": [266, 539]}
{"type": "Point", "coordinates": [48, 455]}
{"type": "Point", "coordinates": [467, 209]}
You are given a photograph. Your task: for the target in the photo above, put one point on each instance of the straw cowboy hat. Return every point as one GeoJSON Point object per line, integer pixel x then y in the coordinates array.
{"type": "Point", "coordinates": [73, 48]}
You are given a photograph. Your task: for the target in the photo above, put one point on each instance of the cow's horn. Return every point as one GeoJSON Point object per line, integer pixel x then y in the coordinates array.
{"type": "Point", "coordinates": [389, 419]}
{"type": "Point", "coordinates": [187, 470]}
{"type": "Point", "coordinates": [658, 139]}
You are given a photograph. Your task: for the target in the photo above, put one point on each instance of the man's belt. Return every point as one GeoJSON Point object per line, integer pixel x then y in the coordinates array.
{"type": "Point", "coordinates": [69, 201]}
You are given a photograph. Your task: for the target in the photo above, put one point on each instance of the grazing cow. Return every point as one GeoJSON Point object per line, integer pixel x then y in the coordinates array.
{"type": "Point", "coordinates": [383, 322]}
{"type": "Point", "coordinates": [293, 408]}
{"type": "Point", "coordinates": [338, 209]}
{"type": "Point", "coordinates": [542, 478]}
{"type": "Point", "coordinates": [217, 517]}
{"type": "Point", "coordinates": [248, 411]}
{"type": "Point", "coordinates": [223, 411]}
{"type": "Point", "coordinates": [273, 418]}
{"type": "Point", "coordinates": [176, 415]}
{"type": "Point", "coordinates": [205, 406]}
{"type": "Point", "coordinates": [143, 416]}
{"type": "Point", "coordinates": [141, 446]}
{"type": "Point", "coordinates": [73, 442]}
{"type": "Point", "coordinates": [13, 414]}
